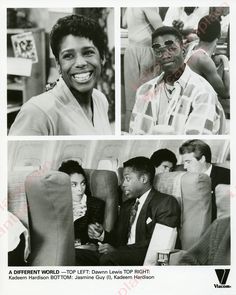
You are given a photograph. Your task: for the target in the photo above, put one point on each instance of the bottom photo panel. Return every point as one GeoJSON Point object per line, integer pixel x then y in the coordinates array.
{"type": "Point", "coordinates": [118, 202]}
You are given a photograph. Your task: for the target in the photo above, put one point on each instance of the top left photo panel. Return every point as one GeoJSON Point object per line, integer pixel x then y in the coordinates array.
{"type": "Point", "coordinates": [60, 71]}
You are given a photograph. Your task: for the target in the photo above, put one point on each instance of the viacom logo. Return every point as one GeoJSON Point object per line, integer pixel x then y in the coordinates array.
{"type": "Point", "coordinates": [222, 275]}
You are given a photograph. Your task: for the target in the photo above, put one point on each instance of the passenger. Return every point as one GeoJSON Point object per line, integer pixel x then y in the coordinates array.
{"type": "Point", "coordinates": [73, 106]}
{"type": "Point", "coordinates": [199, 56]}
{"type": "Point", "coordinates": [196, 155]}
{"type": "Point", "coordinates": [127, 243]}
{"type": "Point", "coordinates": [178, 101]}
{"type": "Point", "coordinates": [164, 160]}
{"type": "Point", "coordinates": [86, 209]}
{"type": "Point", "coordinates": [213, 248]}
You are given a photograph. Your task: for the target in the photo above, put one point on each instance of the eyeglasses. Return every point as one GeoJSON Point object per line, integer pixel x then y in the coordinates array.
{"type": "Point", "coordinates": [169, 45]}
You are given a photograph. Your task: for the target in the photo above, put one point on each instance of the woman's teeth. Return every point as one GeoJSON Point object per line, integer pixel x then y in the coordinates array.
{"type": "Point", "coordinates": [83, 77]}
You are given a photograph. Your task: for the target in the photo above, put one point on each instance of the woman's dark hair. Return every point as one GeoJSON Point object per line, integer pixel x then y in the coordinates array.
{"type": "Point", "coordinates": [162, 155]}
{"type": "Point", "coordinates": [142, 165]}
{"type": "Point", "coordinates": [80, 26]}
{"type": "Point", "coordinates": [71, 167]}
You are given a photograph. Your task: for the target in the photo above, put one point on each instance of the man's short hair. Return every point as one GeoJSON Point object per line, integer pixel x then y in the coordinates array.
{"type": "Point", "coordinates": [162, 155]}
{"type": "Point", "coordinates": [198, 147]}
{"type": "Point", "coordinates": [142, 165]}
{"type": "Point", "coordinates": [165, 30]}
{"type": "Point", "coordinates": [209, 28]}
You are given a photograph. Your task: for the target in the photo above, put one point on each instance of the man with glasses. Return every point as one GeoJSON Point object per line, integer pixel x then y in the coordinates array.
{"type": "Point", "coordinates": [178, 101]}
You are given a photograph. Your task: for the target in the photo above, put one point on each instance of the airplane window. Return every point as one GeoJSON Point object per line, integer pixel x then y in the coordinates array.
{"type": "Point", "coordinates": [108, 164]}
{"type": "Point", "coordinates": [27, 164]}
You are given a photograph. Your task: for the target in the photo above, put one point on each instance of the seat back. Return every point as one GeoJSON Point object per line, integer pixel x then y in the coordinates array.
{"type": "Point", "coordinates": [17, 203]}
{"type": "Point", "coordinates": [193, 192]}
{"type": "Point", "coordinates": [50, 219]}
{"type": "Point", "coordinates": [222, 195]}
{"type": "Point", "coordinates": [103, 185]}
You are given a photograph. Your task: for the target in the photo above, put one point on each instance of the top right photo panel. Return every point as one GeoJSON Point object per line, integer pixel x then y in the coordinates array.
{"type": "Point", "coordinates": [175, 73]}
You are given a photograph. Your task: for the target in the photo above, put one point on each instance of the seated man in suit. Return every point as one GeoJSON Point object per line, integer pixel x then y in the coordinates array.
{"type": "Point", "coordinates": [127, 243]}
{"type": "Point", "coordinates": [196, 155]}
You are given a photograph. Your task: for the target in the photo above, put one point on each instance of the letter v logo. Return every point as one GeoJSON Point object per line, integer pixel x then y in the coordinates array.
{"type": "Point", "coordinates": [222, 275]}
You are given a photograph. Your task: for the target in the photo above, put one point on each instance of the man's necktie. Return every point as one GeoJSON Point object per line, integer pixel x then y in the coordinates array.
{"type": "Point", "coordinates": [133, 213]}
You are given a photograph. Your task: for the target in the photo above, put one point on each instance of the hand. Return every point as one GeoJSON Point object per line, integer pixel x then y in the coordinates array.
{"type": "Point", "coordinates": [95, 230]}
{"type": "Point", "coordinates": [105, 248]}
{"type": "Point", "coordinates": [178, 24]}
{"type": "Point", "coordinates": [221, 59]}
{"type": "Point", "coordinates": [191, 37]}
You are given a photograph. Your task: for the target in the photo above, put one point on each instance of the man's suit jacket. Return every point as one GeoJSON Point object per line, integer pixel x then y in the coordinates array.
{"type": "Point", "coordinates": [158, 208]}
{"type": "Point", "coordinates": [219, 175]}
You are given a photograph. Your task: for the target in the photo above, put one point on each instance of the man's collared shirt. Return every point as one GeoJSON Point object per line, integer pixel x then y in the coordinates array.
{"type": "Point", "coordinates": [208, 171]}
{"type": "Point", "coordinates": [193, 109]}
{"type": "Point", "coordinates": [142, 200]}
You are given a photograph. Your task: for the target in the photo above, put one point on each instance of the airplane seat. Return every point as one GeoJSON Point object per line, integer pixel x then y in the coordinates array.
{"type": "Point", "coordinates": [17, 203]}
{"type": "Point", "coordinates": [120, 174]}
{"type": "Point", "coordinates": [50, 219]}
{"type": "Point", "coordinates": [193, 192]}
{"type": "Point", "coordinates": [222, 195]}
{"type": "Point", "coordinates": [103, 185]}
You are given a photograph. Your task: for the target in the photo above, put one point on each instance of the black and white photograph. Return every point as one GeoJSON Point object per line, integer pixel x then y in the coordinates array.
{"type": "Point", "coordinates": [119, 202]}
{"type": "Point", "coordinates": [69, 86]}
{"type": "Point", "coordinates": [175, 70]}
{"type": "Point", "coordinates": [117, 147]}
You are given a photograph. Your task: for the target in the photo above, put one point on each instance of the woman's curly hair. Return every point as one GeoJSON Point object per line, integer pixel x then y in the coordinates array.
{"type": "Point", "coordinates": [77, 25]}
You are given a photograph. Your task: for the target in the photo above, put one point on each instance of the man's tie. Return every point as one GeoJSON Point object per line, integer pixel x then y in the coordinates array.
{"type": "Point", "coordinates": [133, 213]}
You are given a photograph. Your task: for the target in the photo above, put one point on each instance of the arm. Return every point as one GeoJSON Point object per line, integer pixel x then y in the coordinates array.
{"type": "Point", "coordinates": [208, 69]}
{"type": "Point", "coordinates": [153, 16]}
{"type": "Point", "coordinates": [171, 16]}
{"type": "Point", "coordinates": [31, 121]}
{"type": "Point", "coordinates": [124, 23]}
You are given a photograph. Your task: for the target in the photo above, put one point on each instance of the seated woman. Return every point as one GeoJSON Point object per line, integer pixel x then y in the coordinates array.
{"type": "Point", "coordinates": [164, 160]}
{"type": "Point", "coordinates": [73, 106]}
{"type": "Point", "coordinates": [86, 209]}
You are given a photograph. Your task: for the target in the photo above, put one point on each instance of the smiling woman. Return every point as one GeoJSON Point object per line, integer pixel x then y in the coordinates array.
{"type": "Point", "coordinates": [73, 106]}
